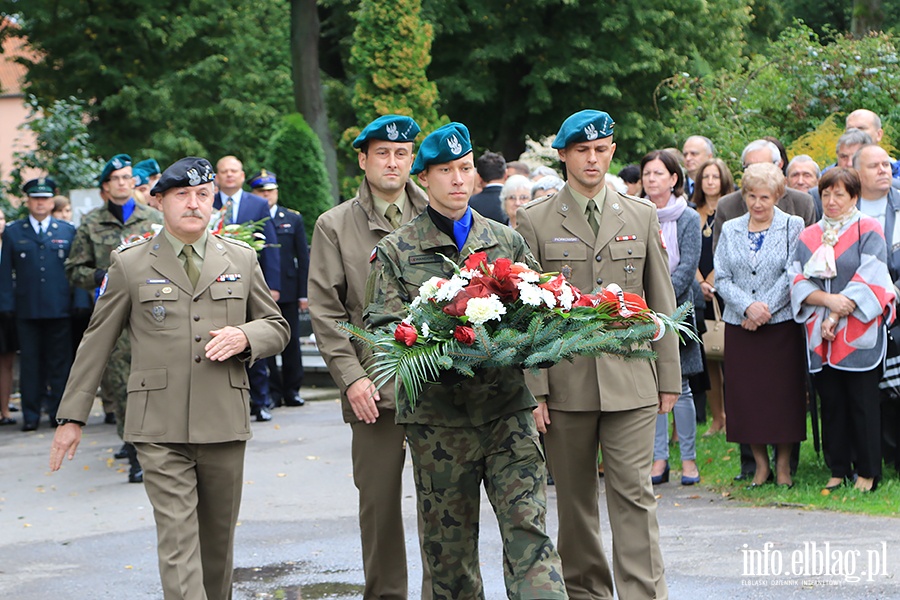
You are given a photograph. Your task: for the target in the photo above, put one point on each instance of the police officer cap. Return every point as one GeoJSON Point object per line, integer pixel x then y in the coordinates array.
{"type": "Point", "coordinates": [150, 166]}
{"type": "Point", "coordinates": [119, 161]}
{"type": "Point", "coordinates": [443, 145]}
{"type": "Point", "coordinates": [141, 177]}
{"type": "Point", "coordinates": [264, 180]}
{"type": "Point", "coordinates": [187, 172]}
{"type": "Point", "coordinates": [391, 128]}
{"type": "Point", "coordinates": [42, 187]}
{"type": "Point", "coordinates": [584, 126]}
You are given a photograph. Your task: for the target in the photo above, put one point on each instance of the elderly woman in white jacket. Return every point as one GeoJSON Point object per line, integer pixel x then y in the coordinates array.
{"type": "Point", "coordinates": [765, 370]}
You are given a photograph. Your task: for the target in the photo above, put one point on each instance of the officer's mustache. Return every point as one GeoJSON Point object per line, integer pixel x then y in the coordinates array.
{"type": "Point", "coordinates": [192, 213]}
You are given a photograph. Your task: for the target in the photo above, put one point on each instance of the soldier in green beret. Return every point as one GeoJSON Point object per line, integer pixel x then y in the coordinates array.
{"type": "Point", "coordinates": [119, 221]}
{"type": "Point", "coordinates": [463, 434]}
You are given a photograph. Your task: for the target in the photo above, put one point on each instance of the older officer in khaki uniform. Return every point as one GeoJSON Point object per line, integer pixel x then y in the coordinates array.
{"type": "Point", "coordinates": [343, 240]}
{"type": "Point", "coordinates": [595, 237]}
{"type": "Point", "coordinates": [197, 308]}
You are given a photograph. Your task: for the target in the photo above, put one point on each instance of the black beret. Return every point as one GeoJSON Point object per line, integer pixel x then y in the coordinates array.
{"type": "Point", "coordinates": [187, 172]}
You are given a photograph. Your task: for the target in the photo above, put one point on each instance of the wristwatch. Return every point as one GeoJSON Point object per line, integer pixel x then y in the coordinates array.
{"type": "Point", "coordinates": [64, 421]}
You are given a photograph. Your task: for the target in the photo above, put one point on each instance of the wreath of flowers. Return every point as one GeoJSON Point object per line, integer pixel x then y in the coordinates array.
{"type": "Point", "coordinates": [505, 314]}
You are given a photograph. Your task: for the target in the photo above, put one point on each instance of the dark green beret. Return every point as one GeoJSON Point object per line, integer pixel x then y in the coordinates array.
{"type": "Point", "coordinates": [264, 180]}
{"type": "Point", "coordinates": [141, 177]}
{"type": "Point", "coordinates": [119, 161]}
{"type": "Point", "coordinates": [443, 145]}
{"type": "Point", "coordinates": [187, 172]}
{"type": "Point", "coordinates": [42, 187]}
{"type": "Point", "coordinates": [150, 166]}
{"type": "Point", "coordinates": [391, 128]}
{"type": "Point", "coordinates": [584, 126]}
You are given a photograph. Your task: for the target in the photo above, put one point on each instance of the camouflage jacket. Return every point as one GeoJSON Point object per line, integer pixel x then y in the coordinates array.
{"type": "Point", "coordinates": [99, 234]}
{"type": "Point", "coordinates": [403, 261]}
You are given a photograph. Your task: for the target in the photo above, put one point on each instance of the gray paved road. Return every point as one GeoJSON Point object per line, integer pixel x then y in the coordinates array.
{"type": "Point", "coordinates": [83, 533]}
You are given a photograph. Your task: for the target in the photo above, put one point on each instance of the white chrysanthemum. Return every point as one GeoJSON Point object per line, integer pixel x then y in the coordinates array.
{"type": "Point", "coordinates": [529, 275]}
{"type": "Point", "coordinates": [566, 297]}
{"type": "Point", "coordinates": [449, 290]}
{"type": "Point", "coordinates": [481, 310]}
{"type": "Point", "coordinates": [430, 288]}
{"type": "Point", "coordinates": [416, 302]}
{"type": "Point", "coordinates": [469, 273]}
{"type": "Point", "coordinates": [530, 294]}
{"type": "Point", "coordinates": [426, 331]}
{"type": "Point", "coordinates": [549, 298]}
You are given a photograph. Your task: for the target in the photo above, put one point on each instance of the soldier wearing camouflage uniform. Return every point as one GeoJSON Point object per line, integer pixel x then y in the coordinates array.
{"type": "Point", "coordinates": [480, 430]}
{"type": "Point", "coordinates": [119, 221]}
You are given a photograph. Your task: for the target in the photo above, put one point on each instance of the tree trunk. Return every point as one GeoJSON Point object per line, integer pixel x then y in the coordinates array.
{"type": "Point", "coordinates": [308, 94]}
{"type": "Point", "coordinates": [867, 17]}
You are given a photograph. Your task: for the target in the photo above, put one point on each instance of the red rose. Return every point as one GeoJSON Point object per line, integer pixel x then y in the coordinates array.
{"type": "Point", "coordinates": [457, 306]}
{"type": "Point", "coordinates": [406, 333]}
{"type": "Point", "coordinates": [464, 335]}
{"type": "Point", "coordinates": [475, 260]}
{"type": "Point", "coordinates": [502, 268]}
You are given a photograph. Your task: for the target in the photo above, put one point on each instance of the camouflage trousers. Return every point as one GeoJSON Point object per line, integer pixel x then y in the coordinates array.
{"type": "Point", "coordinates": [450, 464]}
{"type": "Point", "coordinates": [114, 383]}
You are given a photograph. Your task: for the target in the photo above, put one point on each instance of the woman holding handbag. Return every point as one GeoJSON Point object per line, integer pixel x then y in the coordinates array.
{"type": "Point", "coordinates": [765, 374]}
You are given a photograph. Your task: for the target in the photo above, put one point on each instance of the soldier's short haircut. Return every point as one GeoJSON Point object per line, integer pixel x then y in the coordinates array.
{"type": "Point", "coordinates": [491, 166]}
{"type": "Point", "coordinates": [852, 137]}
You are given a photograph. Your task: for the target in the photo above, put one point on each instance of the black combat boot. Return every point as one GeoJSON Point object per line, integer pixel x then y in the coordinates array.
{"type": "Point", "coordinates": [135, 472]}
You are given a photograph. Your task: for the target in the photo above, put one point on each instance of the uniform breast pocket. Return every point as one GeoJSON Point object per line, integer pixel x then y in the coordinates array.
{"type": "Point", "coordinates": [567, 258]}
{"type": "Point", "coordinates": [628, 262]}
{"type": "Point", "coordinates": [229, 303]}
{"type": "Point", "coordinates": [159, 305]}
{"type": "Point", "coordinates": [417, 274]}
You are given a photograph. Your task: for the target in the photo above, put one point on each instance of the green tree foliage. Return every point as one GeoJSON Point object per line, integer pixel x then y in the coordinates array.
{"type": "Point", "coordinates": [295, 155]}
{"type": "Point", "coordinates": [511, 68]}
{"type": "Point", "coordinates": [63, 148]}
{"type": "Point", "coordinates": [787, 92]}
{"type": "Point", "coordinates": [164, 78]}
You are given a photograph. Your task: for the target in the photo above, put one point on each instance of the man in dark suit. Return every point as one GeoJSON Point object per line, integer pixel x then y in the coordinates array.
{"type": "Point", "coordinates": [284, 384]}
{"type": "Point", "coordinates": [35, 250]}
{"type": "Point", "coordinates": [595, 236]}
{"type": "Point", "coordinates": [491, 169]}
{"type": "Point", "coordinates": [243, 207]}
{"type": "Point", "coordinates": [198, 308]}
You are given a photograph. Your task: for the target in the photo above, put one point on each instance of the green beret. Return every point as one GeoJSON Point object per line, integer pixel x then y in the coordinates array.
{"type": "Point", "coordinates": [42, 187]}
{"type": "Point", "coordinates": [264, 180]}
{"type": "Point", "coordinates": [443, 145]}
{"type": "Point", "coordinates": [141, 177]}
{"type": "Point", "coordinates": [150, 166]}
{"type": "Point", "coordinates": [187, 172]}
{"type": "Point", "coordinates": [390, 128]}
{"type": "Point", "coordinates": [119, 161]}
{"type": "Point", "coordinates": [584, 126]}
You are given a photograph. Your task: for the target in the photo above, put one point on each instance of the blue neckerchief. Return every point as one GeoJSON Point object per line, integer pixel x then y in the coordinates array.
{"type": "Point", "coordinates": [127, 210]}
{"type": "Point", "coordinates": [462, 228]}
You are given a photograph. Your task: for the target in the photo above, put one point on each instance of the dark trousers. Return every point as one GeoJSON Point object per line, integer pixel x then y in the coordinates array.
{"type": "Point", "coordinates": [851, 421]}
{"type": "Point", "coordinates": [290, 377]}
{"type": "Point", "coordinates": [46, 346]}
{"type": "Point", "coordinates": [258, 374]}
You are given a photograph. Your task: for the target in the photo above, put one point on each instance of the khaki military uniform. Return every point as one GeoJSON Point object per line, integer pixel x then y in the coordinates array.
{"type": "Point", "coordinates": [97, 236]}
{"type": "Point", "coordinates": [342, 243]}
{"type": "Point", "coordinates": [478, 431]}
{"type": "Point", "coordinates": [606, 401]}
{"type": "Point", "coordinates": [188, 417]}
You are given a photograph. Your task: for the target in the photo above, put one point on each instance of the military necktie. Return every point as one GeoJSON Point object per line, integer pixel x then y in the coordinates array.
{"type": "Point", "coordinates": [229, 211]}
{"type": "Point", "coordinates": [190, 267]}
{"type": "Point", "coordinates": [393, 215]}
{"type": "Point", "coordinates": [593, 216]}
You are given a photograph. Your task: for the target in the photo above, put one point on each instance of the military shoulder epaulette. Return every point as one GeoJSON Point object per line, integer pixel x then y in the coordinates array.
{"type": "Point", "coordinates": [538, 201]}
{"type": "Point", "coordinates": [296, 212]}
{"type": "Point", "coordinates": [233, 241]}
{"type": "Point", "coordinates": [637, 199]}
{"type": "Point", "coordinates": [134, 243]}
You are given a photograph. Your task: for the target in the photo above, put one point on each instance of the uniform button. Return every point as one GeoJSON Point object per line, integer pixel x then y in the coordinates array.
{"type": "Point", "coordinates": [629, 251]}
{"type": "Point", "coordinates": [197, 358]}
{"type": "Point", "coordinates": [196, 317]}
{"type": "Point", "coordinates": [566, 253]}
{"type": "Point", "coordinates": [43, 269]}
{"type": "Point", "coordinates": [197, 338]}
{"type": "Point", "coordinates": [599, 258]}
{"type": "Point", "coordinates": [229, 290]}
{"type": "Point", "coordinates": [753, 272]}
{"type": "Point", "coordinates": [753, 292]}
{"type": "Point", "coordinates": [143, 383]}
{"type": "Point", "coordinates": [158, 294]}
{"type": "Point", "coordinates": [599, 280]}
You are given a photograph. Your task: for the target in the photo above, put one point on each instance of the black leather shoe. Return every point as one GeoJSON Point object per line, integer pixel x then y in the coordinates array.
{"type": "Point", "coordinates": [263, 415]}
{"type": "Point", "coordinates": [30, 426]}
{"type": "Point", "coordinates": [745, 476]}
{"type": "Point", "coordinates": [136, 475]}
{"type": "Point", "coordinates": [110, 419]}
{"type": "Point", "coordinates": [122, 452]}
{"type": "Point", "coordinates": [294, 399]}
